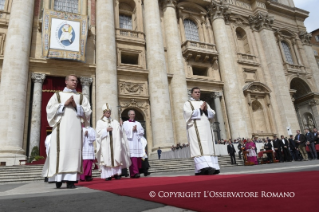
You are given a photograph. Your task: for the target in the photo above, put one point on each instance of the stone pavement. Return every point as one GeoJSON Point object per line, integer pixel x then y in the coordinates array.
{"type": "Point", "coordinates": [40, 196]}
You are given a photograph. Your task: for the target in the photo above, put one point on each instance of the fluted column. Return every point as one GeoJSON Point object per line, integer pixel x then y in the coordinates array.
{"type": "Point", "coordinates": [106, 70]}
{"type": "Point", "coordinates": [175, 67]}
{"type": "Point", "coordinates": [14, 79]}
{"type": "Point", "coordinates": [162, 128]}
{"type": "Point", "coordinates": [219, 113]}
{"type": "Point", "coordinates": [36, 110]}
{"type": "Point", "coordinates": [86, 82]}
{"type": "Point", "coordinates": [263, 24]}
{"type": "Point", "coordinates": [233, 93]}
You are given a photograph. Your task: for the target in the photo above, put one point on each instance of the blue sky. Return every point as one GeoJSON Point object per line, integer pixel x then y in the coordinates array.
{"type": "Point", "coordinates": [312, 22]}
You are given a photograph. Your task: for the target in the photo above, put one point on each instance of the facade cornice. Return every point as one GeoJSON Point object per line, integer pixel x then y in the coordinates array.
{"type": "Point", "coordinates": [294, 11]}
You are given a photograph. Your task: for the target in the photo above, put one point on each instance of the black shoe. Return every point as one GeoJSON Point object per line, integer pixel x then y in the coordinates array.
{"type": "Point", "coordinates": [216, 172]}
{"type": "Point", "coordinates": [89, 178]}
{"type": "Point", "coordinates": [147, 173]}
{"type": "Point", "coordinates": [71, 185]}
{"type": "Point", "coordinates": [136, 176]}
{"type": "Point", "coordinates": [210, 171]}
{"type": "Point", "coordinates": [117, 177]}
{"type": "Point", "coordinates": [108, 179]}
{"type": "Point", "coordinates": [58, 184]}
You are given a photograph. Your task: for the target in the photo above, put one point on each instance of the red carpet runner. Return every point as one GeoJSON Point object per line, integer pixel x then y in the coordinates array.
{"type": "Point", "coordinates": [253, 192]}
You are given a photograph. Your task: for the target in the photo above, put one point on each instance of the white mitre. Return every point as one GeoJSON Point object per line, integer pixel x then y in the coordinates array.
{"type": "Point", "coordinates": [106, 107]}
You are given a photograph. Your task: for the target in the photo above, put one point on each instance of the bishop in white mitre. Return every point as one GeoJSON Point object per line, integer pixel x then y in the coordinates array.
{"type": "Point", "coordinates": [111, 152]}
{"type": "Point", "coordinates": [197, 114]}
{"type": "Point", "coordinates": [134, 132]}
{"type": "Point", "coordinates": [65, 112]}
{"type": "Point", "coordinates": [88, 154]}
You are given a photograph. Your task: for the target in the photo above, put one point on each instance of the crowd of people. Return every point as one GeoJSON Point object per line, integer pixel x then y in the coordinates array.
{"type": "Point", "coordinates": [285, 149]}
{"type": "Point", "coordinates": [179, 146]}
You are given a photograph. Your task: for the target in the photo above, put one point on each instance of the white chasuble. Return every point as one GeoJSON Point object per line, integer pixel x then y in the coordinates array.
{"type": "Point", "coordinates": [199, 132]}
{"type": "Point", "coordinates": [65, 155]}
{"type": "Point", "coordinates": [134, 138]}
{"type": "Point", "coordinates": [109, 148]}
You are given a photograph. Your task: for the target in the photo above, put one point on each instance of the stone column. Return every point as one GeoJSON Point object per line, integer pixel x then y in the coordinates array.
{"type": "Point", "coordinates": [106, 69]}
{"type": "Point", "coordinates": [36, 110]}
{"type": "Point", "coordinates": [86, 82]}
{"type": "Point", "coordinates": [305, 39]}
{"type": "Point", "coordinates": [14, 79]}
{"type": "Point", "coordinates": [176, 67]}
{"type": "Point", "coordinates": [263, 24]}
{"type": "Point", "coordinates": [233, 92]}
{"type": "Point", "coordinates": [219, 113]}
{"type": "Point", "coordinates": [162, 128]}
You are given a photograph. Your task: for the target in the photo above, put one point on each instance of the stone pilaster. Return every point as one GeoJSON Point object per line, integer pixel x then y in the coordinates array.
{"type": "Point", "coordinates": [86, 82]}
{"type": "Point", "coordinates": [233, 93]}
{"type": "Point", "coordinates": [175, 67]}
{"type": "Point", "coordinates": [305, 39]}
{"type": "Point", "coordinates": [106, 69]}
{"type": "Point", "coordinates": [162, 128]}
{"type": "Point", "coordinates": [219, 113]}
{"type": "Point", "coordinates": [36, 110]}
{"type": "Point", "coordinates": [262, 23]}
{"type": "Point", "coordinates": [14, 79]}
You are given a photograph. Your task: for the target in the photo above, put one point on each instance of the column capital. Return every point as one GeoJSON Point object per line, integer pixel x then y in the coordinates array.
{"type": "Point", "coordinates": [218, 10]}
{"type": "Point", "coordinates": [86, 81]}
{"type": "Point", "coordinates": [216, 94]}
{"type": "Point", "coordinates": [169, 3]}
{"type": "Point", "coordinates": [305, 37]}
{"type": "Point", "coordinates": [38, 78]}
{"type": "Point", "coordinates": [261, 21]}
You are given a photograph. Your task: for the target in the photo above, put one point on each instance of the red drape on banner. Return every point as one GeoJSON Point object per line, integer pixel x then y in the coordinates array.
{"type": "Point", "coordinates": [50, 84]}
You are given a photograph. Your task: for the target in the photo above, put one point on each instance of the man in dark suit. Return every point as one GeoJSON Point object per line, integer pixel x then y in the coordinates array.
{"type": "Point", "coordinates": [267, 147]}
{"type": "Point", "coordinates": [277, 146]}
{"type": "Point", "coordinates": [285, 149]}
{"type": "Point", "coordinates": [311, 143]}
{"type": "Point", "coordinates": [293, 148]}
{"type": "Point", "coordinates": [231, 152]}
{"type": "Point", "coordinates": [301, 144]}
{"type": "Point", "coordinates": [239, 149]}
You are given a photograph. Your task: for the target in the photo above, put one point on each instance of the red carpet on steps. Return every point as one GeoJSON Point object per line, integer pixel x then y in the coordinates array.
{"type": "Point", "coordinates": [303, 186]}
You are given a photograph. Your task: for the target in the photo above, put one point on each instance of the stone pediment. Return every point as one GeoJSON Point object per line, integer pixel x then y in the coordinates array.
{"type": "Point", "coordinates": [256, 87]}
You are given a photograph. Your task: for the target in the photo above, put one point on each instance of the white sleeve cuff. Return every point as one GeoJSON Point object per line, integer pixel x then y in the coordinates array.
{"type": "Point", "coordinates": [104, 133]}
{"type": "Point", "coordinates": [79, 110]}
{"type": "Point", "coordinates": [196, 114]}
{"type": "Point", "coordinates": [60, 109]}
{"type": "Point", "coordinates": [210, 114]}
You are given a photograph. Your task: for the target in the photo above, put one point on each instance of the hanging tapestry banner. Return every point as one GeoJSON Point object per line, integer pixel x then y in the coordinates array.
{"type": "Point", "coordinates": [64, 35]}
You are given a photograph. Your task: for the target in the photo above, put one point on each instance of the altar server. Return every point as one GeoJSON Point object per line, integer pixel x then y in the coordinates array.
{"type": "Point", "coordinates": [88, 155]}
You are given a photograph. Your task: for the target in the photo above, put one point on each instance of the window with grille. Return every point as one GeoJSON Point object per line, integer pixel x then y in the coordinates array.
{"type": "Point", "coordinates": [191, 31]}
{"type": "Point", "coordinates": [2, 3]}
{"type": "Point", "coordinates": [287, 52]}
{"type": "Point", "coordinates": [126, 22]}
{"type": "Point", "coordinates": [317, 38]}
{"type": "Point", "coordinates": [71, 6]}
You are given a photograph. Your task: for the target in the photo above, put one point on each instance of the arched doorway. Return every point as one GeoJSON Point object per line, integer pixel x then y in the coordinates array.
{"type": "Point", "coordinates": [302, 96]}
{"type": "Point", "coordinates": [138, 117]}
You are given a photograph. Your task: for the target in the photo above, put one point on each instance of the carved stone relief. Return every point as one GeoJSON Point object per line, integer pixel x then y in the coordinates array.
{"type": "Point", "coordinates": [133, 103]}
{"type": "Point", "coordinates": [261, 21]}
{"type": "Point", "coordinates": [132, 88]}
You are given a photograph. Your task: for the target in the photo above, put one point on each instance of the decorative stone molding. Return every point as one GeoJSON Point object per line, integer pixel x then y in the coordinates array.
{"type": "Point", "coordinates": [219, 10]}
{"type": "Point", "coordinates": [305, 37]}
{"type": "Point", "coordinates": [38, 78]}
{"type": "Point", "coordinates": [86, 81]}
{"type": "Point", "coordinates": [131, 88]}
{"type": "Point", "coordinates": [216, 94]}
{"type": "Point", "coordinates": [261, 21]}
{"type": "Point", "coordinates": [2, 43]}
{"type": "Point", "coordinates": [133, 103]}
{"type": "Point", "coordinates": [169, 3]}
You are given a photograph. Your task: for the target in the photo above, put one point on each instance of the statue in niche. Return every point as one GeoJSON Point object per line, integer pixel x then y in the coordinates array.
{"type": "Point", "coordinates": [311, 123]}
{"type": "Point", "coordinates": [305, 123]}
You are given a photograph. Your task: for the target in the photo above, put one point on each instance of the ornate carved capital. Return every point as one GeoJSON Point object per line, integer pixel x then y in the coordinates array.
{"type": "Point", "coordinates": [216, 95]}
{"type": "Point", "coordinates": [38, 78]}
{"type": "Point", "coordinates": [219, 10]}
{"type": "Point", "coordinates": [86, 81]}
{"type": "Point", "coordinates": [261, 21]}
{"type": "Point", "coordinates": [169, 3]}
{"type": "Point", "coordinates": [305, 37]}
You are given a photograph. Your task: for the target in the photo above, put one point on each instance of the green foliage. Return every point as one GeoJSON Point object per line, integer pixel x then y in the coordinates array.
{"type": "Point", "coordinates": [35, 155]}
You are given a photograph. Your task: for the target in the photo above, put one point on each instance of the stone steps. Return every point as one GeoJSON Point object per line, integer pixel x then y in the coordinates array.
{"type": "Point", "coordinates": [25, 173]}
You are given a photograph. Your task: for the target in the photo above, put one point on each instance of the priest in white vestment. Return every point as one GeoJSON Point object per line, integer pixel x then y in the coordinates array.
{"type": "Point", "coordinates": [65, 112]}
{"type": "Point", "coordinates": [88, 155]}
{"type": "Point", "coordinates": [197, 114]}
{"type": "Point", "coordinates": [134, 132]}
{"type": "Point", "coordinates": [111, 151]}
